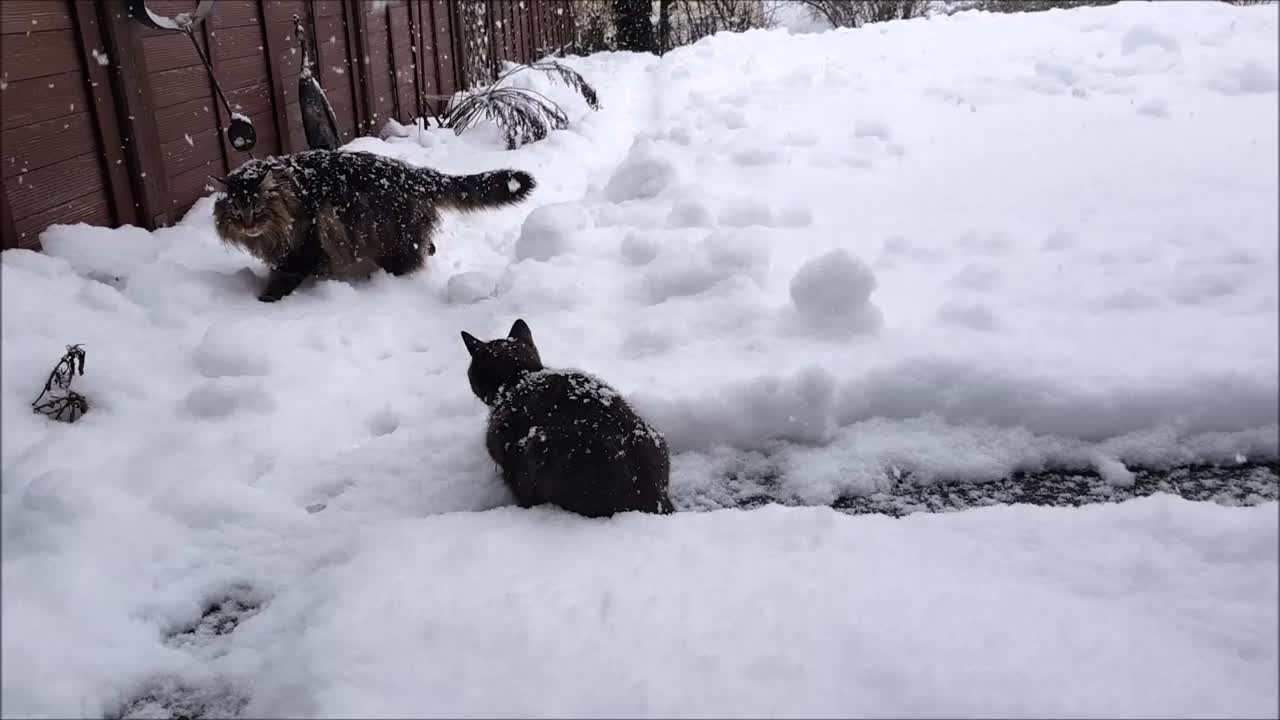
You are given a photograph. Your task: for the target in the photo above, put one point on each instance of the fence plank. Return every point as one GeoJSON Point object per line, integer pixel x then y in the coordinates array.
{"type": "Point", "coordinates": [276, 42]}
{"type": "Point", "coordinates": [358, 42]}
{"type": "Point", "coordinates": [403, 76]}
{"type": "Point", "coordinates": [23, 16]}
{"type": "Point", "coordinates": [8, 232]}
{"type": "Point", "coordinates": [220, 112]}
{"type": "Point", "coordinates": [135, 105]}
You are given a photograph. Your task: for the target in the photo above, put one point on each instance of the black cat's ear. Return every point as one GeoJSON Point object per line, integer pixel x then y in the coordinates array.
{"type": "Point", "coordinates": [220, 181]}
{"type": "Point", "coordinates": [471, 342]}
{"type": "Point", "coordinates": [520, 331]}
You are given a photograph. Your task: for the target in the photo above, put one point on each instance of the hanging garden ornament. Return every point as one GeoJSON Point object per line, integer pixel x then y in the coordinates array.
{"type": "Point", "coordinates": [318, 121]}
{"type": "Point", "coordinates": [139, 11]}
{"type": "Point", "coordinates": [240, 131]}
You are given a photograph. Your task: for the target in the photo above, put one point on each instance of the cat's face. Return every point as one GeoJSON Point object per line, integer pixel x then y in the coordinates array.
{"type": "Point", "coordinates": [256, 212]}
{"type": "Point", "coordinates": [499, 362]}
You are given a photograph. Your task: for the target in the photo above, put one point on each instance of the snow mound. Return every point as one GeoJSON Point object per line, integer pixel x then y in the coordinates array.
{"type": "Point", "coordinates": [639, 248]}
{"type": "Point", "coordinates": [548, 231]}
{"type": "Point", "coordinates": [469, 287]}
{"type": "Point", "coordinates": [1140, 36]}
{"type": "Point", "coordinates": [1248, 77]}
{"type": "Point", "coordinates": [645, 174]}
{"type": "Point", "coordinates": [833, 292]}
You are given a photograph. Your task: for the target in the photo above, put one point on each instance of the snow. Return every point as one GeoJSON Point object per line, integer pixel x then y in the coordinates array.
{"type": "Point", "coordinates": [833, 291]}
{"type": "Point", "coordinates": [469, 287]}
{"type": "Point", "coordinates": [957, 247]}
{"type": "Point", "coordinates": [549, 230]}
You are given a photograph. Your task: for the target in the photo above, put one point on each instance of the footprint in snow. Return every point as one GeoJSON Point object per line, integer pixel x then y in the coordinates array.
{"type": "Point", "coordinates": [218, 619]}
{"type": "Point", "coordinates": [174, 697]}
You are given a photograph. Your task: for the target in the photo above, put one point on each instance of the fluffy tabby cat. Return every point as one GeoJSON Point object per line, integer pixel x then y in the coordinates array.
{"type": "Point", "coordinates": [345, 214]}
{"type": "Point", "coordinates": [563, 436]}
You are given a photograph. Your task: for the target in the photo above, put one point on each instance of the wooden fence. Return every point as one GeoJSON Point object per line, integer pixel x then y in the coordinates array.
{"type": "Point", "coordinates": [106, 121]}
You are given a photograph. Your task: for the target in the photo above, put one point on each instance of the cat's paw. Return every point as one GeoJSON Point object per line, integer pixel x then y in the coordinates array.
{"type": "Point", "coordinates": [268, 297]}
{"type": "Point", "coordinates": [431, 249]}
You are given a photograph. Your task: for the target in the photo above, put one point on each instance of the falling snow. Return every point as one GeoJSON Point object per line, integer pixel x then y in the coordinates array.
{"type": "Point", "coordinates": [1141, 327]}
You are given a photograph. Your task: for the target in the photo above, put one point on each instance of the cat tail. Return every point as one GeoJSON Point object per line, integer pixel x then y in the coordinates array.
{"type": "Point", "coordinates": [484, 190]}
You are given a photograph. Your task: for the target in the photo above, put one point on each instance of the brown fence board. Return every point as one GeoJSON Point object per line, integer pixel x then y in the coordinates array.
{"type": "Point", "coordinates": [277, 37]}
{"type": "Point", "coordinates": [332, 56]}
{"type": "Point", "coordinates": [250, 100]}
{"type": "Point", "coordinates": [45, 98]}
{"type": "Point", "coordinates": [297, 134]}
{"type": "Point", "coordinates": [23, 16]}
{"type": "Point", "coordinates": [325, 8]}
{"type": "Point", "coordinates": [49, 52]}
{"type": "Point", "coordinates": [91, 208]}
{"type": "Point", "coordinates": [233, 14]}
{"type": "Point", "coordinates": [181, 85]}
{"type": "Point", "coordinates": [237, 42]}
{"type": "Point", "coordinates": [169, 51]}
{"type": "Point", "coordinates": [31, 147]}
{"type": "Point", "coordinates": [290, 87]}
{"type": "Point", "coordinates": [136, 106]}
{"type": "Point", "coordinates": [108, 137]}
{"type": "Point", "coordinates": [8, 231]}
{"type": "Point", "coordinates": [189, 186]}
{"type": "Point", "coordinates": [403, 76]}
{"type": "Point", "coordinates": [268, 135]}
{"type": "Point", "coordinates": [283, 9]}
{"type": "Point", "coordinates": [356, 29]}
{"type": "Point", "coordinates": [286, 58]}
{"type": "Point", "coordinates": [241, 72]}
{"type": "Point", "coordinates": [180, 155]}
{"type": "Point", "coordinates": [448, 56]}
{"type": "Point", "coordinates": [511, 29]}
{"type": "Point", "coordinates": [41, 189]}
{"type": "Point", "coordinates": [282, 48]}
{"type": "Point", "coordinates": [344, 110]}
{"type": "Point", "coordinates": [220, 110]}
{"type": "Point", "coordinates": [170, 8]}
{"type": "Point", "coordinates": [184, 118]}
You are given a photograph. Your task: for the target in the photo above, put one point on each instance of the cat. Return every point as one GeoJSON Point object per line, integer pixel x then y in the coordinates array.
{"type": "Point", "coordinates": [346, 214]}
{"type": "Point", "coordinates": [563, 436]}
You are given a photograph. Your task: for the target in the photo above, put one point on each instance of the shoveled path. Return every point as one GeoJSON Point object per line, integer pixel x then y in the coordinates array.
{"type": "Point", "coordinates": [1246, 484]}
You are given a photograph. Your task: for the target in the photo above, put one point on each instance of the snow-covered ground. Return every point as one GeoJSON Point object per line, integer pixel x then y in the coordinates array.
{"type": "Point", "coordinates": [955, 248]}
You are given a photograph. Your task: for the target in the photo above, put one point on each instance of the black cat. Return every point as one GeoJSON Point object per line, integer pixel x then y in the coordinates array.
{"type": "Point", "coordinates": [563, 436]}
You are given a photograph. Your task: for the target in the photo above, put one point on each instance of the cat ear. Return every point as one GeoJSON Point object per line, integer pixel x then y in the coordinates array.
{"type": "Point", "coordinates": [268, 182]}
{"type": "Point", "coordinates": [220, 181]}
{"type": "Point", "coordinates": [471, 342]}
{"type": "Point", "coordinates": [520, 331]}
